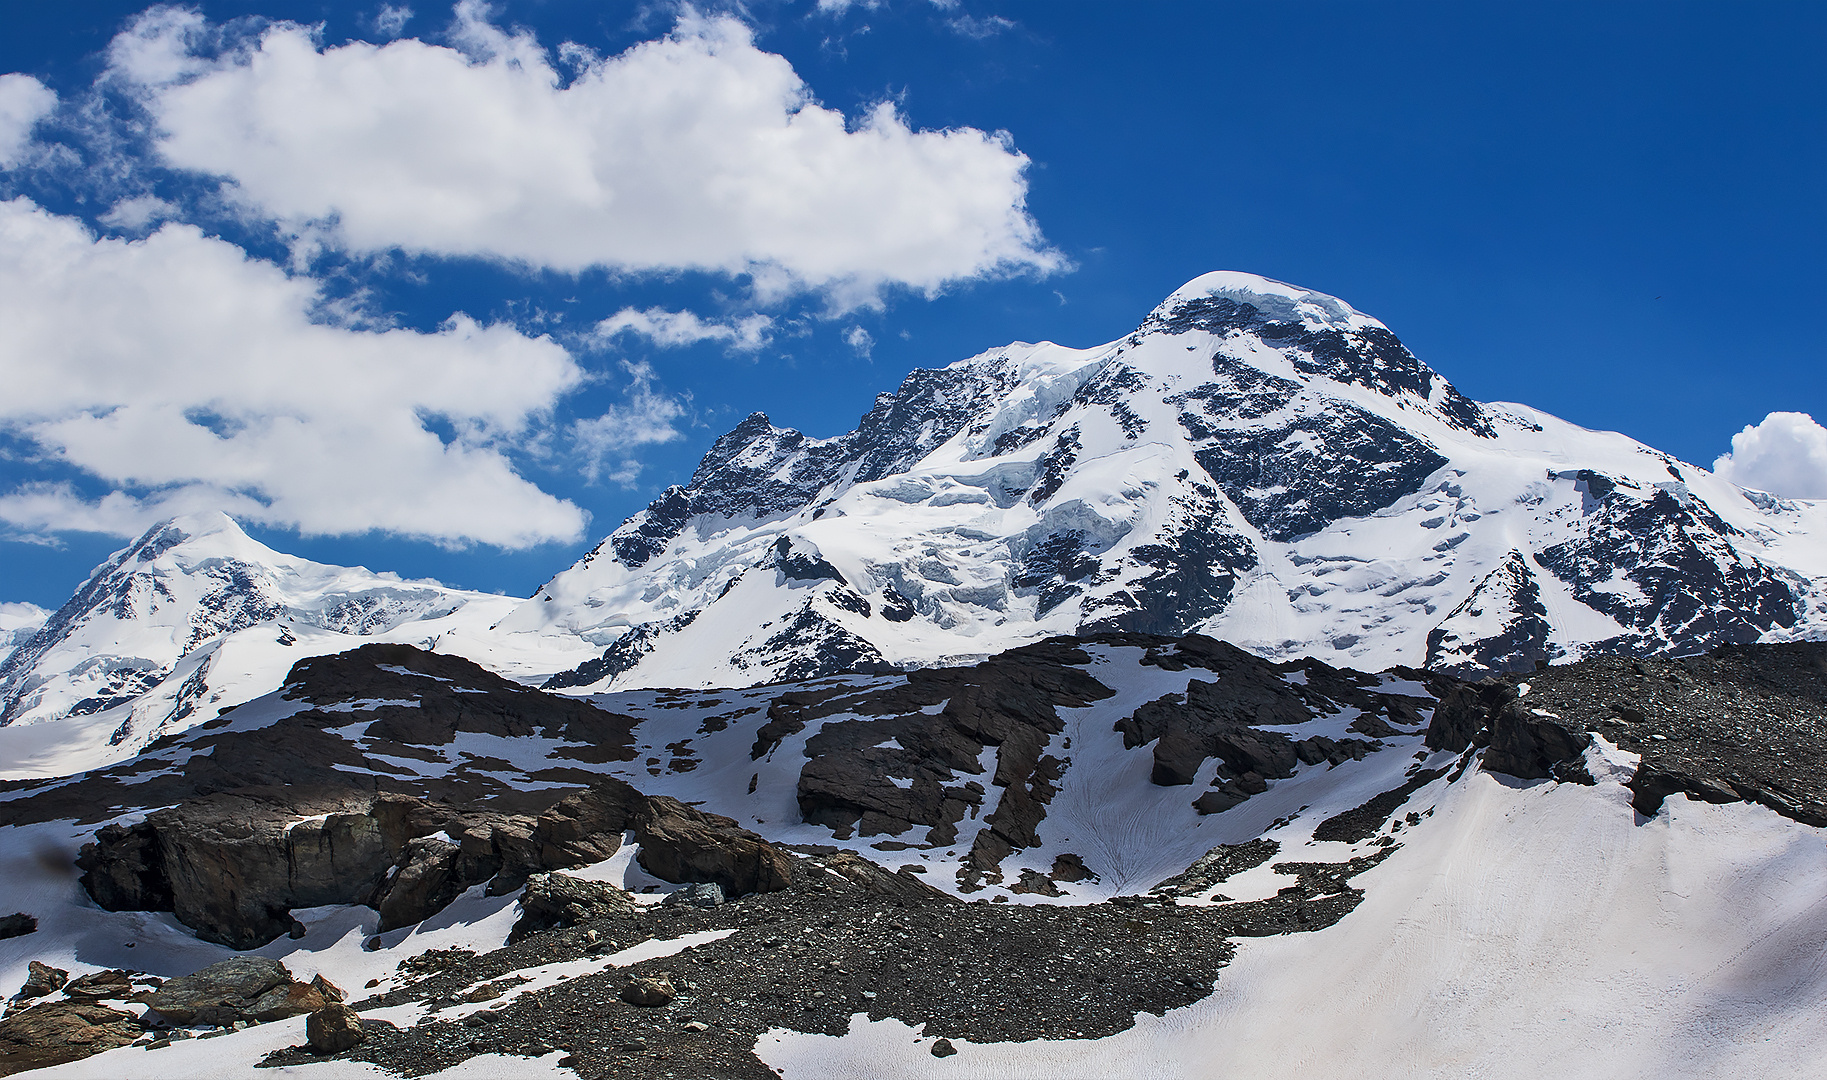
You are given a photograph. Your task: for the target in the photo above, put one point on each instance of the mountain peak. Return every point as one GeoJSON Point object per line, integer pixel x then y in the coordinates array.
{"type": "Point", "coordinates": [1277, 300]}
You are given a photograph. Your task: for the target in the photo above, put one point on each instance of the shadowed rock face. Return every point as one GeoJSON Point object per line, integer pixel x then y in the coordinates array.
{"type": "Point", "coordinates": [294, 814]}
{"type": "Point", "coordinates": [1745, 723]}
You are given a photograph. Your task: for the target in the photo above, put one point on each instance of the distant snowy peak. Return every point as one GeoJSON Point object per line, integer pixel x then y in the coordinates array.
{"type": "Point", "coordinates": [167, 630]}
{"type": "Point", "coordinates": [1256, 461]}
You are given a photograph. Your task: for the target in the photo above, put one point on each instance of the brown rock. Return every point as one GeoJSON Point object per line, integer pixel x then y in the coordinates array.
{"type": "Point", "coordinates": [97, 985]}
{"type": "Point", "coordinates": [650, 992]}
{"type": "Point", "coordinates": [334, 1028]}
{"type": "Point", "coordinates": [292, 999]}
{"type": "Point", "coordinates": [224, 992]}
{"type": "Point", "coordinates": [42, 979]}
{"type": "Point", "coordinates": [329, 990]}
{"type": "Point", "coordinates": [58, 1031]}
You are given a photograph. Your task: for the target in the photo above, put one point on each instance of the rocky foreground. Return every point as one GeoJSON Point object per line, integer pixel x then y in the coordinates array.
{"type": "Point", "coordinates": [987, 932]}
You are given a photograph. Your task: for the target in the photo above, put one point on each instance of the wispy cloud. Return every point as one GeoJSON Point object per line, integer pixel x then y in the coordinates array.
{"type": "Point", "coordinates": [675, 329]}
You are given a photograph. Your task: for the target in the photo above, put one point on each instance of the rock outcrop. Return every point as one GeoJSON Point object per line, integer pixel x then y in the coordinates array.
{"type": "Point", "coordinates": [240, 988]}
{"type": "Point", "coordinates": [558, 900]}
{"type": "Point", "coordinates": [42, 979]}
{"type": "Point", "coordinates": [53, 1032]}
{"type": "Point", "coordinates": [232, 853]}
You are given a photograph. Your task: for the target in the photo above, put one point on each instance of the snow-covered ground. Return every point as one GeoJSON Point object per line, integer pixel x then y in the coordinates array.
{"type": "Point", "coordinates": [1031, 491]}
{"type": "Point", "coordinates": [1523, 930]}
{"type": "Point", "coordinates": [195, 617]}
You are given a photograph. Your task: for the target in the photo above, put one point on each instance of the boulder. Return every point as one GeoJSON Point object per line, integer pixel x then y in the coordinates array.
{"type": "Point", "coordinates": [329, 990]}
{"type": "Point", "coordinates": [291, 999]}
{"type": "Point", "coordinates": [561, 900]}
{"type": "Point", "coordinates": [1534, 747]}
{"type": "Point", "coordinates": [333, 1028]}
{"type": "Point", "coordinates": [943, 1048]}
{"type": "Point", "coordinates": [17, 925]}
{"type": "Point", "coordinates": [97, 985]}
{"type": "Point", "coordinates": [234, 989]}
{"type": "Point", "coordinates": [682, 844]}
{"type": "Point", "coordinates": [707, 894]}
{"type": "Point", "coordinates": [54, 1032]}
{"type": "Point", "coordinates": [427, 881]}
{"type": "Point", "coordinates": [42, 979]}
{"type": "Point", "coordinates": [649, 992]}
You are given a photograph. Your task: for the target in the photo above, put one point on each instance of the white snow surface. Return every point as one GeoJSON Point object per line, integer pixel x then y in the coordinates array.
{"type": "Point", "coordinates": [197, 616]}
{"type": "Point", "coordinates": [947, 533]}
{"type": "Point", "coordinates": [1523, 930]}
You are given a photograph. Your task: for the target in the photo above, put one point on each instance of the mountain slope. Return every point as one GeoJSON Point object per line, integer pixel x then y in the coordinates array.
{"type": "Point", "coordinates": [192, 617]}
{"type": "Point", "coordinates": [1476, 871]}
{"type": "Point", "coordinates": [1256, 462]}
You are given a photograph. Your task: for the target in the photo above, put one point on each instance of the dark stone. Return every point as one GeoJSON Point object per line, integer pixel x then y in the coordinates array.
{"type": "Point", "coordinates": [1363, 822]}
{"type": "Point", "coordinates": [334, 1028]}
{"type": "Point", "coordinates": [100, 985]}
{"type": "Point", "coordinates": [241, 988]}
{"type": "Point", "coordinates": [52, 1033]}
{"type": "Point", "coordinates": [1534, 747]}
{"type": "Point", "coordinates": [703, 895]}
{"type": "Point", "coordinates": [42, 979]}
{"type": "Point", "coordinates": [560, 900]}
{"type": "Point", "coordinates": [943, 1048]}
{"type": "Point", "coordinates": [12, 926]}
{"type": "Point", "coordinates": [650, 992]}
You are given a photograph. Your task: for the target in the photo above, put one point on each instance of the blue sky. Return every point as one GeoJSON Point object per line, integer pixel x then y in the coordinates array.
{"type": "Point", "coordinates": [238, 241]}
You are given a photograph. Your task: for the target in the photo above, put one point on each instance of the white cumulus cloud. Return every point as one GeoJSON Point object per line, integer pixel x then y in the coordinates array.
{"type": "Point", "coordinates": [1785, 454]}
{"type": "Point", "coordinates": [182, 374]}
{"type": "Point", "coordinates": [23, 102]}
{"type": "Point", "coordinates": [697, 151]}
{"type": "Point", "coordinates": [674, 329]}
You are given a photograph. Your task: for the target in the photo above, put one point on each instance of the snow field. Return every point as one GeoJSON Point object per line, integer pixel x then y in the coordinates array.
{"type": "Point", "coordinates": [1526, 929]}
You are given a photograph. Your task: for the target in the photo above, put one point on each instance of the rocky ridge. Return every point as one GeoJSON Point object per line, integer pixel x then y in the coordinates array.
{"type": "Point", "coordinates": [1256, 462]}
{"type": "Point", "coordinates": [820, 932]}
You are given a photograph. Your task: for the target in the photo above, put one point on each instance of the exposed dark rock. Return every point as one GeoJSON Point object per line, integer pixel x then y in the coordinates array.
{"type": "Point", "coordinates": [1535, 747]}
{"type": "Point", "coordinates": [1690, 589]}
{"type": "Point", "coordinates": [1218, 866]}
{"type": "Point", "coordinates": [240, 988]}
{"type": "Point", "coordinates": [51, 1033]}
{"type": "Point", "coordinates": [42, 979]}
{"type": "Point", "coordinates": [705, 895]}
{"type": "Point", "coordinates": [101, 985]}
{"type": "Point", "coordinates": [1463, 642]}
{"type": "Point", "coordinates": [649, 992]}
{"type": "Point", "coordinates": [943, 1048]}
{"type": "Point", "coordinates": [333, 1029]}
{"type": "Point", "coordinates": [555, 899]}
{"type": "Point", "coordinates": [1363, 822]}
{"type": "Point", "coordinates": [1520, 740]}
{"type": "Point", "coordinates": [17, 925]}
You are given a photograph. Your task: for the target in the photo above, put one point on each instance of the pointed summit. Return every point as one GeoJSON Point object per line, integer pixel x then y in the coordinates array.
{"type": "Point", "coordinates": [193, 616]}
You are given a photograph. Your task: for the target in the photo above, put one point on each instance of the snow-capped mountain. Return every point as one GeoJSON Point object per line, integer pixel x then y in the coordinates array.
{"type": "Point", "coordinates": [1256, 462]}
{"type": "Point", "coordinates": [195, 616]}
{"type": "Point", "coordinates": [18, 622]}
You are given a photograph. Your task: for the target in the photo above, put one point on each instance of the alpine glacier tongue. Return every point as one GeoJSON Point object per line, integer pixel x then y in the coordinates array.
{"type": "Point", "coordinates": [1256, 461]}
